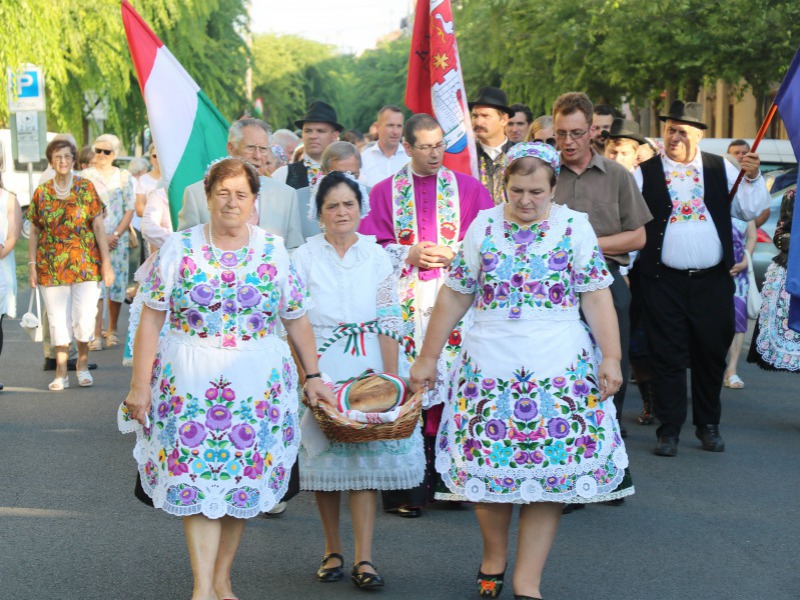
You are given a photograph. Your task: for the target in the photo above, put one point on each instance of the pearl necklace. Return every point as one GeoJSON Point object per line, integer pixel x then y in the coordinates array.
{"type": "Point", "coordinates": [62, 192]}
{"type": "Point", "coordinates": [228, 258]}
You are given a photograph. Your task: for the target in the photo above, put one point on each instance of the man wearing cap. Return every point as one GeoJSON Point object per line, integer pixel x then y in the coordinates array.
{"type": "Point", "coordinates": [606, 192]}
{"type": "Point", "coordinates": [519, 123]}
{"type": "Point", "coordinates": [384, 158]}
{"type": "Point", "coordinates": [622, 143]}
{"type": "Point", "coordinates": [319, 128]}
{"type": "Point", "coordinates": [277, 209]}
{"type": "Point", "coordinates": [420, 215]}
{"type": "Point", "coordinates": [686, 287]}
{"type": "Point", "coordinates": [490, 113]}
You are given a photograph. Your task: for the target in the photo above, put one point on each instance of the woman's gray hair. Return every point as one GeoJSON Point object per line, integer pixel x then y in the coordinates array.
{"type": "Point", "coordinates": [138, 166]}
{"type": "Point", "coordinates": [108, 138]}
{"type": "Point", "coordinates": [339, 151]}
{"type": "Point", "coordinates": [284, 138]}
{"type": "Point", "coordinates": [236, 133]}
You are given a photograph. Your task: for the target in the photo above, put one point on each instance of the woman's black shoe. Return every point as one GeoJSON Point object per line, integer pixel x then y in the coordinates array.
{"type": "Point", "coordinates": [490, 586]}
{"type": "Point", "coordinates": [366, 581]}
{"type": "Point", "coordinates": [517, 597]}
{"type": "Point", "coordinates": [326, 575]}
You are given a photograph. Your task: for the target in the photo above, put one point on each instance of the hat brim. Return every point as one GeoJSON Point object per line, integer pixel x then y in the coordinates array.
{"type": "Point", "coordinates": [300, 122]}
{"type": "Point", "coordinates": [629, 136]}
{"type": "Point", "coordinates": [505, 109]}
{"type": "Point", "coordinates": [678, 119]}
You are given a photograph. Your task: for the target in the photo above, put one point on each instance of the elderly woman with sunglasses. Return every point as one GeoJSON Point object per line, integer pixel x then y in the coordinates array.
{"type": "Point", "coordinates": [116, 190]}
{"type": "Point", "coordinates": [68, 255]}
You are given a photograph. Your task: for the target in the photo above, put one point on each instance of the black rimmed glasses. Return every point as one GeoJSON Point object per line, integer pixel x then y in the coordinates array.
{"type": "Point", "coordinates": [427, 148]}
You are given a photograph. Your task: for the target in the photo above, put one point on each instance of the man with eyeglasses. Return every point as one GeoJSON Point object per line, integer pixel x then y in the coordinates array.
{"type": "Point", "coordinates": [607, 193]}
{"type": "Point", "coordinates": [490, 113]}
{"type": "Point", "coordinates": [420, 215]}
{"type": "Point", "coordinates": [685, 272]}
{"type": "Point", "coordinates": [277, 209]}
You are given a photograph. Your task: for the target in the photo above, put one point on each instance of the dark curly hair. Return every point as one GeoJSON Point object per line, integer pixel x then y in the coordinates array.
{"type": "Point", "coordinates": [330, 181]}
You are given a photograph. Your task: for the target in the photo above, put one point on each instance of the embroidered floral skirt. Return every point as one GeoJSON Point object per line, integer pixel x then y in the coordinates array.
{"type": "Point", "coordinates": [522, 422]}
{"type": "Point", "coordinates": [774, 346]}
{"type": "Point", "coordinates": [223, 435]}
{"type": "Point", "coordinates": [380, 465]}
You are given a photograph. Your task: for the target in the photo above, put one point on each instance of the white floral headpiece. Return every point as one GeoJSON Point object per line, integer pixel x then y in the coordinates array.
{"type": "Point", "coordinates": [540, 150]}
{"type": "Point", "coordinates": [312, 202]}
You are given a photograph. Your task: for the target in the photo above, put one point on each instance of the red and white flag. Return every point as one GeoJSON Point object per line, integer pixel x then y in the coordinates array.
{"type": "Point", "coordinates": [435, 84]}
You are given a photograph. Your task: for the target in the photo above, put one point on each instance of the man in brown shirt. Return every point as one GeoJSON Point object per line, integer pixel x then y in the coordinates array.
{"type": "Point", "coordinates": [606, 192]}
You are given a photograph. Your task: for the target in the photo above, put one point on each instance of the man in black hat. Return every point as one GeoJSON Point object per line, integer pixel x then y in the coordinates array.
{"type": "Point", "coordinates": [622, 143]}
{"type": "Point", "coordinates": [319, 128]}
{"type": "Point", "coordinates": [490, 113]}
{"type": "Point", "coordinates": [685, 286]}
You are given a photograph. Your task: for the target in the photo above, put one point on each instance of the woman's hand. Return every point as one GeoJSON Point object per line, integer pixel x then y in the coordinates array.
{"type": "Point", "coordinates": [423, 373]}
{"type": "Point", "coordinates": [610, 377]}
{"type": "Point", "coordinates": [738, 267]}
{"type": "Point", "coordinates": [316, 391]}
{"type": "Point", "coordinates": [138, 403]}
{"type": "Point", "coordinates": [107, 272]}
{"type": "Point", "coordinates": [113, 240]}
{"type": "Point", "coordinates": [32, 276]}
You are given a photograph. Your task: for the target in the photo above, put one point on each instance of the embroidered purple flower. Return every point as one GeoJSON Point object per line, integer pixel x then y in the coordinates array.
{"type": "Point", "coordinates": [229, 306]}
{"type": "Point", "coordinates": [502, 291]}
{"type": "Point", "coordinates": [187, 496]}
{"type": "Point", "coordinates": [266, 270]}
{"type": "Point", "coordinates": [537, 456]}
{"type": "Point", "coordinates": [240, 498]}
{"type": "Point", "coordinates": [495, 429]}
{"type": "Point", "coordinates": [558, 427]}
{"type": "Point", "coordinates": [489, 261]}
{"type": "Point", "coordinates": [212, 393]}
{"type": "Point", "coordinates": [556, 293]}
{"type": "Point", "coordinates": [523, 236]}
{"type": "Point", "coordinates": [242, 435]}
{"type": "Point", "coordinates": [488, 384]}
{"type": "Point", "coordinates": [248, 296]}
{"type": "Point", "coordinates": [218, 417]}
{"type": "Point", "coordinates": [164, 386]}
{"type": "Point", "coordinates": [254, 322]}
{"type": "Point", "coordinates": [558, 260]}
{"type": "Point", "coordinates": [255, 470]}
{"type": "Point", "coordinates": [163, 409]}
{"type": "Point", "coordinates": [228, 259]}
{"type": "Point", "coordinates": [194, 318]}
{"type": "Point", "coordinates": [202, 294]}
{"type": "Point", "coordinates": [517, 280]}
{"type": "Point", "coordinates": [559, 381]}
{"type": "Point", "coordinates": [274, 413]}
{"type": "Point", "coordinates": [586, 445]}
{"type": "Point", "coordinates": [536, 289]}
{"type": "Point", "coordinates": [506, 482]}
{"type": "Point", "coordinates": [551, 481]}
{"type": "Point", "coordinates": [192, 434]}
{"type": "Point", "coordinates": [525, 409]}
{"type": "Point", "coordinates": [228, 276]}
{"type": "Point", "coordinates": [471, 390]}
{"type": "Point", "coordinates": [488, 294]}
{"type": "Point", "coordinates": [228, 394]}
{"type": "Point", "coordinates": [522, 457]}
{"type": "Point", "coordinates": [514, 312]}
{"type": "Point", "coordinates": [580, 388]}
{"type": "Point", "coordinates": [278, 475]}
{"type": "Point", "coordinates": [288, 434]}
{"type": "Point", "coordinates": [472, 449]}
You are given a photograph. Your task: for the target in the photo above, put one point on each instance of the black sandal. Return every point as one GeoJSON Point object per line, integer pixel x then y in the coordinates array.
{"type": "Point", "coordinates": [490, 586]}
{"type": "Point", "coordinates": [365, 581]}
{"type": "Point", "coordinates": [329, 574]}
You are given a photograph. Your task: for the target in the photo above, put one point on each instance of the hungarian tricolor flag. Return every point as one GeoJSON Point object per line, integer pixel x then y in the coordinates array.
{"type": "Point", "coordinates": [187, 128]}
{"type": "Point", "coordinates": [435, 84]}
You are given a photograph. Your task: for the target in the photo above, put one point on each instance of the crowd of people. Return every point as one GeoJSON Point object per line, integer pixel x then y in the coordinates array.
{"type": "Point", "coordinates": [582, 257]}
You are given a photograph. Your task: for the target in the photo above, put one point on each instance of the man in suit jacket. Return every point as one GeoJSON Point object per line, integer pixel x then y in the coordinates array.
{"type": "Point", "coordinates": [277, 209]}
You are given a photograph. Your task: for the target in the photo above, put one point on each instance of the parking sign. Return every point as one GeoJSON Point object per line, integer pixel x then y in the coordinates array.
{"type": "Point", "coordinates": [26, 89]}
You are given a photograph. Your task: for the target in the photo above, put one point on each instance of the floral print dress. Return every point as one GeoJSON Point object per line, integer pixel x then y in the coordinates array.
{"type": "Point", "coordinates": [522, 421]}
{"type": "Point", "coordinates": [224, 427]}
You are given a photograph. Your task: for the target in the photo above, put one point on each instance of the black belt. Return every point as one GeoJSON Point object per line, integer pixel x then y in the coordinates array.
{"type": "Point", "coordinates": [693, 272]}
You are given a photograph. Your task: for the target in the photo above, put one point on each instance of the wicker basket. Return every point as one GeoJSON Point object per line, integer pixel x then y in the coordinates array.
{"type": "Point", "coordinates": [339, 428]}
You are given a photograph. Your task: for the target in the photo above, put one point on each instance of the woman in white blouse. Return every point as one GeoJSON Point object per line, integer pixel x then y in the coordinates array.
{"type": "Point", "coordinates": [350, 280]}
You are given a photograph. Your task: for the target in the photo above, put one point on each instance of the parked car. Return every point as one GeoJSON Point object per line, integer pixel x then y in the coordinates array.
{"type": "Point", "coordinates": [765, 249]}
{"type": "Point", "coordinates": [774, 154]}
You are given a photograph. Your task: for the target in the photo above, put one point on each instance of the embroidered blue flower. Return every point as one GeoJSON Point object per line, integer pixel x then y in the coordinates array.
{"type": "Point", "coordinates": [557, 452]}
{"type": "Point", "coordinates": [501, 455]}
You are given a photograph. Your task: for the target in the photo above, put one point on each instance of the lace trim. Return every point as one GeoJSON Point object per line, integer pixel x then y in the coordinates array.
{"type": "Point", "coordinates": [156, 305]}
{"type": "Point", "coordinates": [607, 281]}
{"type": "Point", "coordinates": [388, 303]}
{"type": "Point", "coordinates": [398, 255]}
{"type": "Point", "coordinates": [571, 313]}
{"type": "Point", "coordinates": [462, 288]}
{"type": "Point", "coordinates": [268, 342]}
{"type": "Point", "coordinates": [339, 482]}
{"type": "Point", "coordinates": [772, 344]}
{"type": "Point", "coordinates": [629, 491]}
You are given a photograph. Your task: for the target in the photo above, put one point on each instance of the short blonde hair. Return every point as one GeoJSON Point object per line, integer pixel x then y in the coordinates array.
{"type": "Point", "coordinates": [108, 138]}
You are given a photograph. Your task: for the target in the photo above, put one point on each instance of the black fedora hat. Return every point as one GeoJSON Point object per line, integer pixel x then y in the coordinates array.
{"type": "Point", "coordinates": [494, 97]}
{"type": "Point", "coordinates": [685, 112]}
{"type": "Point", "coordinates": [319, 112]}
{"type": "Point", "coordinates": [622, 128]}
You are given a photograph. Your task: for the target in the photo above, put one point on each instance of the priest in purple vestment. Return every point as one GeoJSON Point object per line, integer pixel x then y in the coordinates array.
{"type": "Point", "coordinates": [420, 215]}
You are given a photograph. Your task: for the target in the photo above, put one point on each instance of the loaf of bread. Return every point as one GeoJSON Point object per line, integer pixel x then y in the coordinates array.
{"type": "Point", "coordinates": [372, 395]}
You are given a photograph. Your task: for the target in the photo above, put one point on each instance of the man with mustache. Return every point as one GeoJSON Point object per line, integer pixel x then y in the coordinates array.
{"type": "Point", "coordinates": [490, 113]}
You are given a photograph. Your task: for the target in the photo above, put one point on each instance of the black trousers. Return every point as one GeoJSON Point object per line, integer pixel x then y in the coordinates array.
{"type": "Point", "coordinates": [688, 321]}
{"type": "Point", "coordinates": [621, 294]}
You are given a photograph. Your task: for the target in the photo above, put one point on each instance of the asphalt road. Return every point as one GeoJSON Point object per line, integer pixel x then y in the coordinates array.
{"type": "Point", "coordinates": [701, 525]}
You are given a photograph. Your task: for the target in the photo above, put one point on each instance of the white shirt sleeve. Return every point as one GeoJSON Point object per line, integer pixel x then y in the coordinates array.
{"type": "Point", "coordinates": [751, 198]}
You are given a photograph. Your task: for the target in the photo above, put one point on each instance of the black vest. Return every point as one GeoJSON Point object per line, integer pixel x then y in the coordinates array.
{"type": "Point", "coordinates": [715, 196]}
{"type": "Point", "coordinates": [297, 176]}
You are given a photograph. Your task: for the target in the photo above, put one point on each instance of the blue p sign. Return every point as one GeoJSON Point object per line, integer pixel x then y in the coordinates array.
{"type": "Point", "coordinates": [28, 85]}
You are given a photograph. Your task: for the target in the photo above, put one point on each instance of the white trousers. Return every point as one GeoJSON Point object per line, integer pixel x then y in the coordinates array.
{"type": "Point", "coordinates": [71, 311]}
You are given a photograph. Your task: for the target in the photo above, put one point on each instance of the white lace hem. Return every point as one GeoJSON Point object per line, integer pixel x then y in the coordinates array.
{"type": "Point", "coordinates": [459, 287]}
{"type": "Point", "coordinates": [593, 286]}
{"type": "Point", "coordinates": [339, 482]}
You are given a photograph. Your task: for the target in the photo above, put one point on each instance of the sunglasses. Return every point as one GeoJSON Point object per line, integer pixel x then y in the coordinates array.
{"type": "Point", "coordinates": [102, 151]}
{"type": "Point", "coordinates": [551, 141]}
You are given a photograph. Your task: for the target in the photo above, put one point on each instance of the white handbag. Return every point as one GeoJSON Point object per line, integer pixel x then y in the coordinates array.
{"type": "Point", "coordinates": [753, 295]}
{"type": "Point", "coordinates": [32, 323]}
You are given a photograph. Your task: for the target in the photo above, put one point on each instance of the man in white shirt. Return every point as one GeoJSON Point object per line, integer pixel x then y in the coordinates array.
{"type": "Point", "coordinates": [490, 113]}
{"type": "Point", "coordinates": [277, 209]}
{"type": "Point", "coordinates": [386, 157]}
{"type": "Point", "coordinates": [683, 272]}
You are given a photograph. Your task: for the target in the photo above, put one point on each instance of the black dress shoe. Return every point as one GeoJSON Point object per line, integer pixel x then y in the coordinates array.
{"type": "Point", "coordinates": [329, 574]}
{"type": "Point", "coordinates": [710, 438]}
{"type": "Point", "coordinates": [571, 508]}
{"type": "Point", "coordinates": [667, 446]}
{"type": "Point", "coordinates": [490, 586]}
{"type": "Point", "coordinates": [365, 581]}
{"type": "Point", "coordinates": [623, 433]}
{"type": "Point", "coordinates": [49, 364]}
{"type": "Point", "coordinates": [406, 512]}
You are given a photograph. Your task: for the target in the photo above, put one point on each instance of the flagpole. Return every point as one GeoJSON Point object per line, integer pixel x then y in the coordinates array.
{"type": "Point", "coordinates": [759, 136]}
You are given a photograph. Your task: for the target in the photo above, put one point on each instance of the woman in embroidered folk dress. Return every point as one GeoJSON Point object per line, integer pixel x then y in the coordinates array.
{"type": "Point", "coordinates": [214, 401]}
{"type": "Point", "coordinates": [776, 347]}
{"type": "Point", "coordinates": [116, 188]}
{"type": "Point", "coordinates": [526, 420]}
{"type": "Point", "coordinates": [350, 279]}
